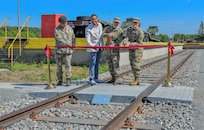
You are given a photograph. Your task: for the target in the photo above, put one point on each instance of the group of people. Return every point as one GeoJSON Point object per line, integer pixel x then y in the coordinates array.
{"type": "Point", "coordinates": [95, 33]}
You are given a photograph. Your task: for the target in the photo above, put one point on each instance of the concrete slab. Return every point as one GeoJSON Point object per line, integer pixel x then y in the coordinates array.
{"type": "Point", "coordinates": [4, 85]}
{"type": "Point", "coordinates": [49, 93]}
{"type": "Point", "coordinates": [198, 103]}
{"type": "Point", "coordinates": [122, 93]}
{"type": "Point", "coordinates": [176, 93]}
{"type": "Point", "coordinates": [4, 69]}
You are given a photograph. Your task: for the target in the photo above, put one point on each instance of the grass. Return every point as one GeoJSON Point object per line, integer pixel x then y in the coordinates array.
{"type": "Point", "coordinates": [38, 73]}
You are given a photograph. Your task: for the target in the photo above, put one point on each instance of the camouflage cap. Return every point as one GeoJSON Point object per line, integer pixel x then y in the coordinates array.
{"type": "Point", "coordinates": [136, 20]}
{"type": "Point", "coordinates": [116, 19]}
{"type": "Point", "coordinates": [62, 19]}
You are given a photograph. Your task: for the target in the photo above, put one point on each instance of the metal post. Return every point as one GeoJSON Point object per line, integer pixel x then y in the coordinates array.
{"type": "Point", "coordinates": [172, 35]}
{"type": "Point", "coordinates": [27, 33]}
{"type": "Point", "coordinates": [5, 30]}
{"type": "Point", "coordinates": [12, 58]}
{"type": "Point", "coordinates": [19, 27]}
{"type": "Point", "coordinates": [168, 83]}
{"type": "Point", "coordinates": [4, 23]}
{"type": "Point", "coordinates": [18, 15]}
{"type": "Point", "coordinates": [49, 86]}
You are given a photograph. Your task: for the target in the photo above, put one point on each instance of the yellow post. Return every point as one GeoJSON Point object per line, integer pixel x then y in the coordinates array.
{"type": "Point", "coordinates": [49, 86]}
{"type": "Point", "coordinates": [11, 45]}
{"type": "Point", "coordinates": [5, 31]}
{"type": "Point", "coordinates": [12, 58]}
{"type": "Point", "coordinates": [4, 23]}
{"type": "Point", "coordinates": [27, 32]}
{"type": "Point", "coordinates": [19, 43]}
{"type": "Point", "coordinates": [168, 83]}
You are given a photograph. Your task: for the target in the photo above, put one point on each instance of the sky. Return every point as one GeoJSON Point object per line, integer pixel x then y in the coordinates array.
{"type": "Point", "coordinates": [171, 16]}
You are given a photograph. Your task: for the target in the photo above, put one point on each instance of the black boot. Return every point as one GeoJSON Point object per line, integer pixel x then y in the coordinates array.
{"type": "Point", "coordinates": [59, 82]}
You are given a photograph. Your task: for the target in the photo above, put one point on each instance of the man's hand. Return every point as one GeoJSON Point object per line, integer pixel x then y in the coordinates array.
{"type": "Point", "coordinates": [106, 34]}
{"type": "Point", "coordinates": [110, 35]}
{"type": "Point", "coordinates": [73, 49]}
{"type": "Point", "coordinates": [126, 43]}
{"type": "Point", "coordinates": [94, 47]}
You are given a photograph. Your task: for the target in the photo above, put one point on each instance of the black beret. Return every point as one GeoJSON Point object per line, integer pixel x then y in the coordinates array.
{"type": "Point", "coordinates": [63, 19]}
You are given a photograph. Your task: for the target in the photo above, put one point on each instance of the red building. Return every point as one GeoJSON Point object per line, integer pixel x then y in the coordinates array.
{"type": "Point", "coordinates": [48, 24]}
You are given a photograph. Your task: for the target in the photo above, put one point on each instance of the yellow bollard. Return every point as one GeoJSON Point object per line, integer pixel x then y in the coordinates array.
{"type": "Point", "coordinates": [49, 54]}
{"type": "Point", "coordinates": [170, 53]}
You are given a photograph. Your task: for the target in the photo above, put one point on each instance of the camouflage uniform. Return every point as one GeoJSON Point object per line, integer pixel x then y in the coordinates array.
{"type": "Point", "coordinates": [64, 36]}
{"type": "Point", "coordinates": [113, 55]}
{"type": "Point", "coordinates": [135, 37]}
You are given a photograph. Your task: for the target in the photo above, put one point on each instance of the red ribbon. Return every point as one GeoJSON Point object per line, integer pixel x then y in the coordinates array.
{"type": "Point", "coordinates": [48, 51]}
{"type": "Point", "coordinates": [171, 49]}
{"type": "Point", "coordinates": [110, 47]}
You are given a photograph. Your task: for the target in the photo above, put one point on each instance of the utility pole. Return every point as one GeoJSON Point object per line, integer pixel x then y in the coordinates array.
{"type": "Point", "coordinates": [172, 33]}
{"type": "Point", "coordinates": [19, 36]}
{"type": "Point", "coordinates": [18, 15]}
{"type": "Point", "coordinates": [110, 16]}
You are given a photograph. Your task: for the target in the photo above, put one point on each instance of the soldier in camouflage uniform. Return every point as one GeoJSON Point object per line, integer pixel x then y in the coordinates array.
{"type": "Point", "coordinates": [114, 37]}
{"type": "Point", "coordinates": [64, 36]}
{"type": "Point", "coordinates": [134, 36]}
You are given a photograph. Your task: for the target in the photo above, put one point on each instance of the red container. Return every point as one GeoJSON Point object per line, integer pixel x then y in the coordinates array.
{"type": "Point", "coordinates": [48, 24]}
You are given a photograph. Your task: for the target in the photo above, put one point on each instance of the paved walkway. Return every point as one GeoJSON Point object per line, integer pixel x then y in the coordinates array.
{"type": "Point", "coordinates": [198, 100]}
{"type": "Point", "coordinates": [122, 93]}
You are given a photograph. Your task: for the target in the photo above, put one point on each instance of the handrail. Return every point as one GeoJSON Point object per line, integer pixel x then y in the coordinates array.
{"type": "Point", "coordinates": [4, 23]}
{"type": "Point", "coordinates": [10, 48]}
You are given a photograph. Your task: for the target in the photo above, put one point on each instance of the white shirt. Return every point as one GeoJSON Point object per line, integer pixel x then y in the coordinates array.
{"type": "Point", "coordinates": [94, 36]}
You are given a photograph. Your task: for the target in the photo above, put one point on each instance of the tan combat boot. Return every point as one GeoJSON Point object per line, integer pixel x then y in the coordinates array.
{"type": "Point", "coordinates": [117, 81]}
{"type": "Point", "coordinates": [112, 80]}
{"type": "Point", "coordinates": [135, 82]}
{"type": "Point", "coordinates": [68, 83]}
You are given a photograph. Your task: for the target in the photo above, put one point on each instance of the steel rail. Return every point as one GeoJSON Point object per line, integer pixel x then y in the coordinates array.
{"type": "Point", "coordinates": [119, 120]}
{"type": "Point", "coordinates": [13, 117]}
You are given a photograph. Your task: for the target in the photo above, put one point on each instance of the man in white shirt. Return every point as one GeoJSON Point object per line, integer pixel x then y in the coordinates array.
{"type": "Point", "coordinates": [94, 37]}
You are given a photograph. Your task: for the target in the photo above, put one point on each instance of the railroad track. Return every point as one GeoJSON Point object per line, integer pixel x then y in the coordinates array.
{"type": "Point", "coordinates": [121, 119]}
{"type": "Point", "coordinates": [118, 122]}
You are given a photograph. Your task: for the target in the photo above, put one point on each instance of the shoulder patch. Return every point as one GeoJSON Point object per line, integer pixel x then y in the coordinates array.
{"type": "Point", "coordinates": [57, 34]}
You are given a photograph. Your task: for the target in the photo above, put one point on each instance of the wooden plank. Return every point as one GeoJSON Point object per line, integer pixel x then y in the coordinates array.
{"type": "Point", "coordinates": [98, 122]}
{"type": "Point", "coordinates": [145, 127]}
{"type": "Point", "coordinates": [91, 108]}
{"type": "Point", "coordinates": [73, 120]}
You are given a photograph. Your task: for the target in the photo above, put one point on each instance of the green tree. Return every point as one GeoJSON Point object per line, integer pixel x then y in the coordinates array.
{"type": "Point", "coordinates": [12, 31]}
{"type": "Point", "coordinates": [184, 37]}
{"type": "Point", "coordinates": [201, 29]}
{"type": "Point", "coordinates": [163, 38]}
{"type": "Point", "coordinates": [2, 34]}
